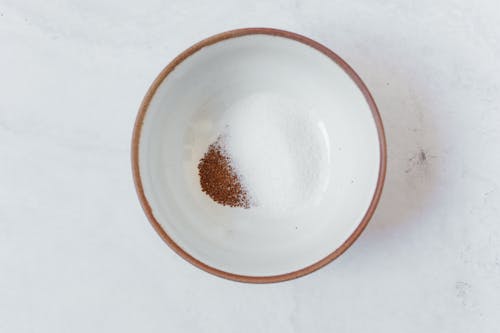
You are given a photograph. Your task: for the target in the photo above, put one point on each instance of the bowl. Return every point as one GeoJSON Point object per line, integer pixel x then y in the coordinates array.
{"type": "Point", "coordinates": [179, 118]}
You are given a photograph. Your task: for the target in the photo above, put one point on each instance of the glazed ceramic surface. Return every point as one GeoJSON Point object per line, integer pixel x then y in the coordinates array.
{"type": "Point", "coordinates": [181, 116]}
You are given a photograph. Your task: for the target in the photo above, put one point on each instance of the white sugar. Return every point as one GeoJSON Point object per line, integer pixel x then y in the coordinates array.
{"type": "Point", "coordinates": [279, 150]}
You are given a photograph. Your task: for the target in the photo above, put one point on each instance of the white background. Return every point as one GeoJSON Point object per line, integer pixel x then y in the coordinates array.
{"type": "Point", "coordinates": [76, 251]}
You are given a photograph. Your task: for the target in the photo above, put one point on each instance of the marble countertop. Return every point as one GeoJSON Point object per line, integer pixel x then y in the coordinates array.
{"type": "Point", "coordinates": [76, 251]}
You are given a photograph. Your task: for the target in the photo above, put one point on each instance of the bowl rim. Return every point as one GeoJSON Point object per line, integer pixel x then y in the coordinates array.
{"type": "Point", "coordinates": [138, 129]}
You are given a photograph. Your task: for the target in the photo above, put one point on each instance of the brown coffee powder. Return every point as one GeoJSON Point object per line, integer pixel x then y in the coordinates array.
{"type": "Point", "coordinates": [219, 180]}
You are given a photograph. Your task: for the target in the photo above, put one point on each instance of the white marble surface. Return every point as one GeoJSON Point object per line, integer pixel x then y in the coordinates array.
{"type": "Point", "coordinates": [76, 252]}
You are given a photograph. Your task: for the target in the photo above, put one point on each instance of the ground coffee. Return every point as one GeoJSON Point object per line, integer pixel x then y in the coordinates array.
{"type": "Point", "coordinates": [219, 180]}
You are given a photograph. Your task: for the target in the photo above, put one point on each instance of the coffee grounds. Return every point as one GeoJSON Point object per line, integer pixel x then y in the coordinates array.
{"type": "Point", "coordinates": [219, 180]}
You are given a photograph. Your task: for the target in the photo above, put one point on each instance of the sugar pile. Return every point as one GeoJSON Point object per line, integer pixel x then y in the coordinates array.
{"type": "Point", "coordinates": [279, 151]}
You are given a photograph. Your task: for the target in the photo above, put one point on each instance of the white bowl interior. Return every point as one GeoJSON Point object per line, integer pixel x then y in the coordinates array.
{"type": "Point", "coordinates": [182, 120]}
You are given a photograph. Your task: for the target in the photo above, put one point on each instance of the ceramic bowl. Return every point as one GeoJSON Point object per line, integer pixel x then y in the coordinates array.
{"type": "Point", "coordinates": [178, 120]}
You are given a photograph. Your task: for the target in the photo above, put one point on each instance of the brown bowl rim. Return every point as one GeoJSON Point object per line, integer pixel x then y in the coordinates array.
{"type": "Point", "coordinates": [137, 133]}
